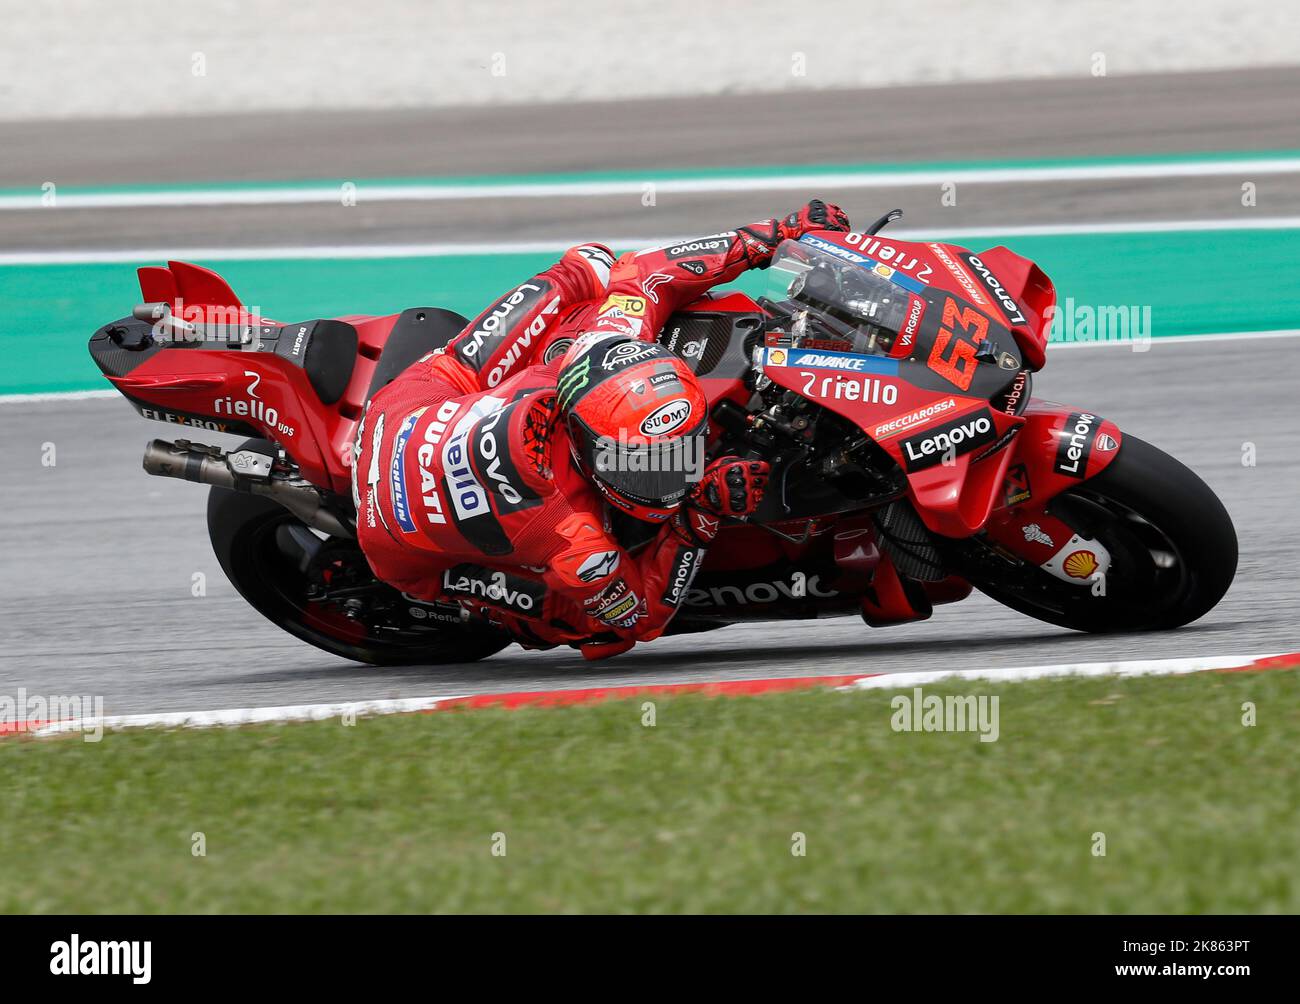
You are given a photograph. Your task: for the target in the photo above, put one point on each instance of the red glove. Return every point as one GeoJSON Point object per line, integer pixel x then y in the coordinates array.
{"type": "Point", "coordinates": [817, 215]}
{"type": "Point", "coordinates": [758, 241]}
{"type": "Point", "coordinates": [730, 487]}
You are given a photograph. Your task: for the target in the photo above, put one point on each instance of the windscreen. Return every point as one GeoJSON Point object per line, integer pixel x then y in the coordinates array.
{"type": "Point", "coordinates": [834, 304]}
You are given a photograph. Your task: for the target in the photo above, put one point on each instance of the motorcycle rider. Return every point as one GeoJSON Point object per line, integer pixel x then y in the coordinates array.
{"type": "Point", "coordinates": [484, 473]}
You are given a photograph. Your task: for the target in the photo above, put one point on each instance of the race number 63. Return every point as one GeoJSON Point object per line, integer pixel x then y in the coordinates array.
{"type": "Point", "coordinates": [958, 366]}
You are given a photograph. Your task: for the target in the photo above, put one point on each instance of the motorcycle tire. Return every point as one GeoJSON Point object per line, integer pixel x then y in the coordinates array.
{"type": "Point", "coordinates": [1172, 543]}
{"type": "Point", "coordinates": [263, 549]}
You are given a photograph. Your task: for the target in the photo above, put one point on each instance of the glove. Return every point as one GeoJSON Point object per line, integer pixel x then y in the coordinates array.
{"type": "Point", "coordinates": [730, 487]}
{"type": "Point", "coordinates": [817, 215]}
{"type": "Point", "coordinates": [758, 241]}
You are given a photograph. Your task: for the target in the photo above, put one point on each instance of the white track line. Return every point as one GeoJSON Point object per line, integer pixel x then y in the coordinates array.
{"type": "Point", "coordinates": [369, 192]}
{"type": "Point", "coordinates": [1137, 667]}
{"type": "Point", "coordinates": [313, 251]}
{"type": "Point", "coordinates": [92, 256]}
{"type": "Point", "coordinates": [888, 681]}
{"type": "Point", "coordinates": [1134, 346]}
{"type": "Point", "coordinates": [66, 395]}
{"type": "Point", "coordinates": [247, 716]}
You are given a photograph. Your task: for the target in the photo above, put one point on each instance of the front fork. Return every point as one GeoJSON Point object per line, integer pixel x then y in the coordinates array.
{"type": "Point", "coordinates": [1034, 535]}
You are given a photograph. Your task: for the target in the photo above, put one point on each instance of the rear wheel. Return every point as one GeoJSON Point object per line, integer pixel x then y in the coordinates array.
{"type": "Point", "coordinates": [322, 590]}
{"type": "Point", "coordinates": [1172, 544]}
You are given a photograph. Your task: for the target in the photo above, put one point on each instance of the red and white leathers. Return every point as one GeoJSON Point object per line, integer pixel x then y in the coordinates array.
{"type": "Point", "coordinates": [464, 482]}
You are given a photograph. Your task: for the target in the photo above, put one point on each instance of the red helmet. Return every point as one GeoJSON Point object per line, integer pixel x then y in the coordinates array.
{"type": "Point", "coordinates": [636, 418]}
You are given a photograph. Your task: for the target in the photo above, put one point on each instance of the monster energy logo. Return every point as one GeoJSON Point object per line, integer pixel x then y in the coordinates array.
{"type": "Point", "coordinates": [573, 381]}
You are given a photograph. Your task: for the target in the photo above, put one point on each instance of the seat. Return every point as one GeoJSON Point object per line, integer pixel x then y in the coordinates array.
{"type": "Point", "coordinates": [331, 356]}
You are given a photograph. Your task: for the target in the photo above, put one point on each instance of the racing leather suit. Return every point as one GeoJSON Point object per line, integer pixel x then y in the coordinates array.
{"type": "Point", "coordinates": [464, 482]}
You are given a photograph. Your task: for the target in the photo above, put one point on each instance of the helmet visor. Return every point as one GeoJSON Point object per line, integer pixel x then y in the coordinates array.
{"type": "Point", "coordinates": [652, 472]}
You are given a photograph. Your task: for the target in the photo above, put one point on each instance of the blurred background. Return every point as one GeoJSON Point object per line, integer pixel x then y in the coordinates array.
{"type": "Point", "coordinates": [337, 157]}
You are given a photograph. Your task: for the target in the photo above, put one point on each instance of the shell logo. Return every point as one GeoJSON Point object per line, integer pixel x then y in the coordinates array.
{"type": "Point", "coordinates": [1080, 564]}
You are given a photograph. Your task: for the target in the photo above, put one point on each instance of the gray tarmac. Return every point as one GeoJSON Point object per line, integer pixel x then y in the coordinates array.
{"type": "Point", "coordinates": [100, 564]}
{"type": "Point", "coordinates": [96, 592]}
{"type": "Point", "coordinates": [1236, 111]}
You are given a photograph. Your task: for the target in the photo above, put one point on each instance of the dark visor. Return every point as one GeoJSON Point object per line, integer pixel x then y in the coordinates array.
{"type": "Point", "coordinates": [654, 473]}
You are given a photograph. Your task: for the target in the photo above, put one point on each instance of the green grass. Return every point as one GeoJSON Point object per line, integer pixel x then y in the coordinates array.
{"type": "Point", "coordinates": [601, 813]}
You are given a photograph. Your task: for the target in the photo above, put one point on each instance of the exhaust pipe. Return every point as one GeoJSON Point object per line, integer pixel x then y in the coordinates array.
{"type": "Point", "coordinates": [245, 471]}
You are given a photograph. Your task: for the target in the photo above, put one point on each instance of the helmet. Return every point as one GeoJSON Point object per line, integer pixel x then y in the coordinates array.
{"type": "Point", "coordinates": [636, 418]}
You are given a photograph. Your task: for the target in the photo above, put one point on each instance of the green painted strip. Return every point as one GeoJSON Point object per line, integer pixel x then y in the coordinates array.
{"type": "Point", "coordinates": [52, 310]}
{"type": "Point", "coordinates": [1194, 283]}
{"type": "Point", "coordinates": [663, 174]}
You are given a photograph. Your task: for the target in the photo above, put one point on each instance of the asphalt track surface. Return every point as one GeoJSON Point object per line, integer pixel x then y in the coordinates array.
{"type": "Point", "coordinates": [1112, 116]}
{"type": "Point", "coordinates": [96, 592]}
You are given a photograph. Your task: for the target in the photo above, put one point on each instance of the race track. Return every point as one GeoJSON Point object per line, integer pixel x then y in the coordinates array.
{"type": "Point", "coordinates": [96, 591]}
{"type": "Point", "coordinates": [1106, 117]}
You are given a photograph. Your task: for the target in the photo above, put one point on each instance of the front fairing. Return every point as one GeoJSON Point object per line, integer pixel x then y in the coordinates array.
{"type": "Point", "coordinates": [944, 399]}
{"type": "Point", "coordinates": [950, 446]}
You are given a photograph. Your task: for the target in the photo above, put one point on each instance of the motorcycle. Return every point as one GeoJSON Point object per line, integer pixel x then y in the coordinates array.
{"type": "Point", "coordinates": [910, 462]}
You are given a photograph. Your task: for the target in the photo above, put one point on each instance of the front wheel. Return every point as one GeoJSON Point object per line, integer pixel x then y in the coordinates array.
{"type": "Point", "coordinates": [1172, 544]}
{"type": "Point", "coordinates": [322, 590]}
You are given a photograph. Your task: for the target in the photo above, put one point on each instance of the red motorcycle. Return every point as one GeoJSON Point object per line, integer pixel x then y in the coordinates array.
{"type": "Point", "coordinates": [888, 382]}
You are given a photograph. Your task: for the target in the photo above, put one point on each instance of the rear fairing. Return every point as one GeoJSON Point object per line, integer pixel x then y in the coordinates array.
{"type": "Point", "coordinates": [301, 385]}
